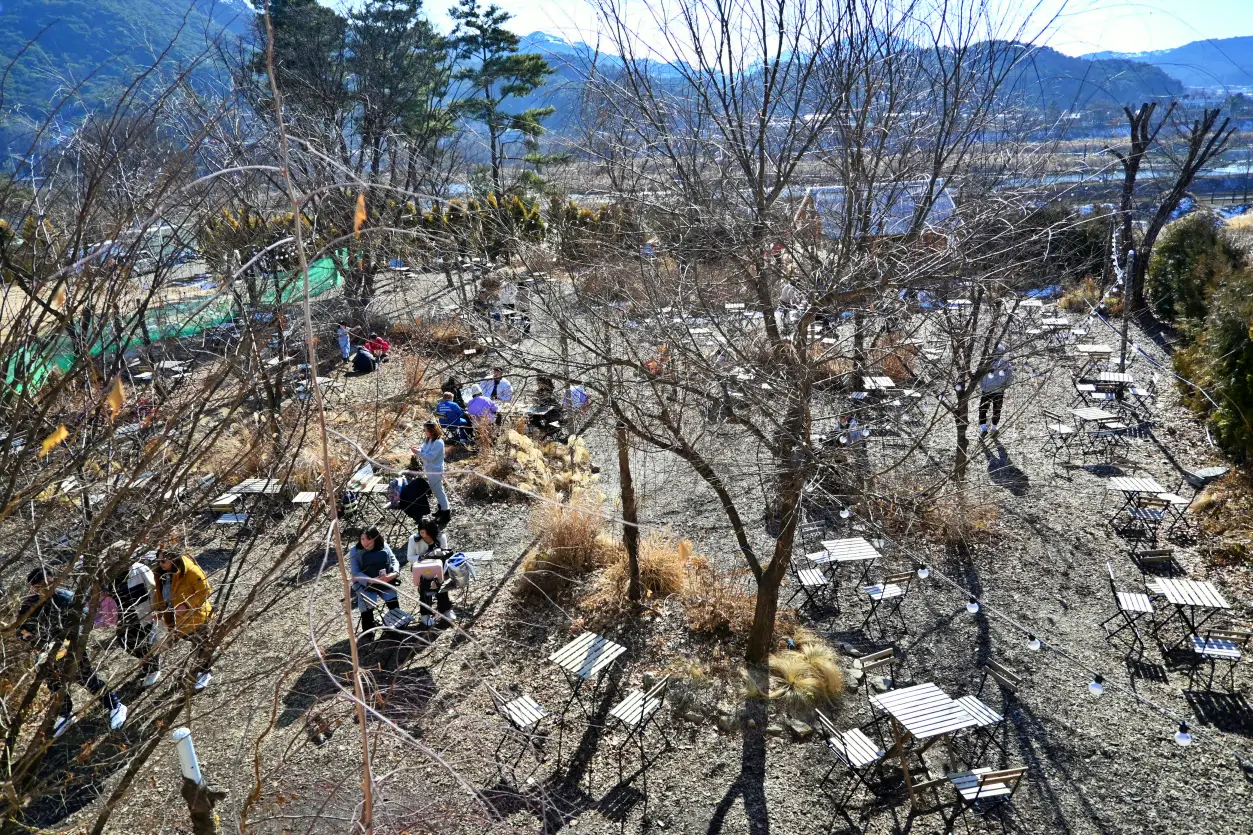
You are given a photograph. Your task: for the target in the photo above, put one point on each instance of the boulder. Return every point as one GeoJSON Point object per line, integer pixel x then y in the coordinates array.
{"type": "Point", "coordinates": [800, 730]}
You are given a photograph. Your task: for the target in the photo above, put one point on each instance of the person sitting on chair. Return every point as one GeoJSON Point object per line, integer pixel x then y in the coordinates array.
{"type": "Point", "coordinates": [498, 388]}
{"type": "Point", "coordinates": [430, 543]}
{"type": "Point", "coordinates": [576, 397]}
{"type": "Point", "coordinates": [415, 495]}
{"type": "Point", "coordinates": [375, 571]}
{"type": "Point", "coordinates": [480, 408]}
{"type": "Point", "coordinates": [451, 417]}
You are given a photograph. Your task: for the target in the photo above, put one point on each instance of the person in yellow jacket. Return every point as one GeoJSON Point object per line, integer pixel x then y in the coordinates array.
{"type": "Point", "coordinates": [182, 599]}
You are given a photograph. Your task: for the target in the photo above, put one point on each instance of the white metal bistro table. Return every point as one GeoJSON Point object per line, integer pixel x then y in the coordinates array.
{"type": "Point", "coordinates": [1098, 440]}
{"type": "Point", "coordinates": [585, 659]}
{"type": "Point", "coordinates": [1132, 486]}
{"type": "Point", "coordinates": [837, 552]}
{"type": "Point", "coordinates": [1092, 354]}
{"type": "Point", "coordinates": [923, 712]}
{"type": "Point", "coordinates": [877, 383]}
{"type": "Point", "coordinates": [1190, 598]}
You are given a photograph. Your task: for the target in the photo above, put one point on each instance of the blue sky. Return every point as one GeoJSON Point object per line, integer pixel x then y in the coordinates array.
{"type": "Point", "coordinates": [1083, 25]}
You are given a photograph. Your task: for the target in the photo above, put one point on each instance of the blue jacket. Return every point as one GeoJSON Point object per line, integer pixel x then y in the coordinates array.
{"type": "Point", "coordinates": [450, 413]}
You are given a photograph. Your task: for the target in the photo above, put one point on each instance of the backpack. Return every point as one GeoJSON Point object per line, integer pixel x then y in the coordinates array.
{"type": "Point", "coordinates": [395, 489]}
{"type": "Point", "coordinates": [349, 503]}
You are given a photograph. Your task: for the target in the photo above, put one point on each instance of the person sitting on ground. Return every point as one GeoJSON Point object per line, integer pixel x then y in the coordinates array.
{"type": "Point", "coordinates": [430, 543]}
{"type": "Point", "coordinates": [480, 408]}
{"type": "Point", "coordinates": [364, 362]}
{"type": "Point", "coordinates": [498, 387]}
{"type": "Point", "coordinates": [134, 591]}
{"type": "Point", "coordinates": [47, 618]}
{"type": "Point", "coordinates": [375, 571]}
{"type": "Point", "coordinates": [547, 410]}
{"type": "Point", "coordinates": [182, 601]}
{"type": "Point", "coordinates": [378, 346]}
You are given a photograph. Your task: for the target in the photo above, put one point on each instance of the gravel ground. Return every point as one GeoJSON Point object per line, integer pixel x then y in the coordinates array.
{"type": "Point", "coordinates": [1094, 765]}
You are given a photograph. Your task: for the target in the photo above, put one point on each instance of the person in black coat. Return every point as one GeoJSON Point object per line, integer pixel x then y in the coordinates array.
{"type": "Point", "coordinates": [47, 618]}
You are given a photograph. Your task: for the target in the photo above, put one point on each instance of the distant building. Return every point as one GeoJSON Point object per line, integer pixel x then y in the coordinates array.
{"type": "Point", "coordinates": [891, 211]}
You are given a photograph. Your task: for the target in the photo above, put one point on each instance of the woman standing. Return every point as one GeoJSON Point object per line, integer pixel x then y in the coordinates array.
{"type": "Point", "coordinates": [432, 454]}
{"type": "Point", "coordinates": [374, 569]}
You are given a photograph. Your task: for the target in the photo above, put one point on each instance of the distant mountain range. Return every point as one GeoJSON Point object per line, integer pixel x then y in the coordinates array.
{"type": "Point", "coordinates": [1227, 62]}
{"type": "Point", "coordinates": [98, 46]}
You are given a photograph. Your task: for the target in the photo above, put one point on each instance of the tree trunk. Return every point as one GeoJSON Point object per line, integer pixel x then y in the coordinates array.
{"type": "Point", "coordinates": [630, 527]}
{"type": "Point", "coordinates": [761, 634]}
{"type": "Point", "coordinates": [961, 418]}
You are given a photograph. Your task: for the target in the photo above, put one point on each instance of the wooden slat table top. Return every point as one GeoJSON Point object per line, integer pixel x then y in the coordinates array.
{"type": "Point", "coordinates": [1092, 413]}
{"type": "Point", "coordinates": [1094, 349]}
{"type": "Point", "coordinates": [524, 711]}
{"type": "Point", "coordinates": [855, 549]}
{"type": "Point", "coordinates": [479, 555]}
{"type": "Point", "coordinates": [1134, 484]}
{"type": "Point", "coordinates": [267, 486]}
{"type": "Point", "coordinates": [1193, 593]}
{"type": "Point", "coordinates": [587, 655]}
{"type": "Point", "coordinates": [1115, 377]}
{"type": "Point", "coordinates": [924, 710]}
{"type": "Point", "coordinates": [877, 383]}
{"type": "Point", "coordinates": [305, 497]}
{"type": "Point", "coordinates": [1055, 322]}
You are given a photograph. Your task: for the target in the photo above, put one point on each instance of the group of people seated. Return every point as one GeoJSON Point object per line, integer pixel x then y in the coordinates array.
{"type": "Point", "coordinates": [377, 570]}
{"type": "Point", "coordinates": [457, 418]}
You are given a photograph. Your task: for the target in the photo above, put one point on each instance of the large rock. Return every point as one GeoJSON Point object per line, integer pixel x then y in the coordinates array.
{"type": "Point", "coordinates": [800, 730]}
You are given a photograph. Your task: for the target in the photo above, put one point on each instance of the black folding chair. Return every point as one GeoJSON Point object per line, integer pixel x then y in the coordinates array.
{"type": "Point", "coordinates": [635, 713]}
{"type": "Point", "coordinates": [1060, 435]}
{"type": "Point", "coordinates": [886, 599]}
{"type": "Point", "coordinates": [1132, 607]}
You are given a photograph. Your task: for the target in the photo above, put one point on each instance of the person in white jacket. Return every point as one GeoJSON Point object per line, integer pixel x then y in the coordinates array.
{"type": "Point", "coordinates": [136, 628]}
{"type": "Point", "coordinates": [430, 543]}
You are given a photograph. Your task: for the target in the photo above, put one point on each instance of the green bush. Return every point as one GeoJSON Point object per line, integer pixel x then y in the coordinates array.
{"type": "Point", "coordinates": [1221, 362]}
{"type": "Point", "coordinates": [1193, 256]}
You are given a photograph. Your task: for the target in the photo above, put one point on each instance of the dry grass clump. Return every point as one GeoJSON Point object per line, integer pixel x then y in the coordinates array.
{"type": "Point", "coordinates": [416, 385]}
{"type": "Point", "coordinates": [1224, 511]}
{"type": "Point", "coordinates": [717, 604]}
{"type": "Point", "coordinates": [805, 677]}
{"type": "Point", "coordinates": [561, 470]}
{"type": "Point", "coordinates": [959, 521]}
{"type": "Point", "coordinates": [1082, 298]}
{"type": "Point", "coordinates": [572, 544]}
{"type": "Point", "coordinates": [444, 337]}
{"type": "Point", "coordinates": [663, 572]}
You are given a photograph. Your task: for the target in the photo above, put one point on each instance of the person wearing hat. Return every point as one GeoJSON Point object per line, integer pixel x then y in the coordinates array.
{"type": "Point", "coordinates": [182, 601]}
{"type": "Point", "coordinates": [47, 619]}
{"type": "Point", "coordinates": [993, 386]}
{"type": "Point", "coordinates": [480, 408]}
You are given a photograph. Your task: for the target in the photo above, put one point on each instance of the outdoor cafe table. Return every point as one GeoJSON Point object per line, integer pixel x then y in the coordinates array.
{"type": "Point", "coordinates": [585, 659]}
{"type": "Point", "coordinates": [837, 552]}
{"type": "Point", "coordinates": [1131, 487]}
{"type": "Point", "coordinates": [1092, 354]}
{"type": "Point", "coordinates": [877, 383]}
{"type": "Point", "coordinates": [1098, 416]}
{"type": "Point", "coordinates": [1195, 602]}
{"type": "Point", "coordinates": [924, 713]}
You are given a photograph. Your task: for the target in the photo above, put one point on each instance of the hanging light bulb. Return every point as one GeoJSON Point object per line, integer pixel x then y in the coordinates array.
{"type": "Point", "coordinates": [1182, 738]}
{"type": "Point", "coordinates": [973, 606]}
{"type": "Point", "coordinates": [845, 513]}
{"type": "Point", "coordinates": [1034, 643]}
{"type": "Point", "coordinates": [1097, 687]}
{"type": "Point", "coordinates": [923, 572]}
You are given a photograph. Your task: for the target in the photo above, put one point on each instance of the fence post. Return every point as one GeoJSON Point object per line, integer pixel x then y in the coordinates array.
{"type": "Point", "coordinates": [200, 797]}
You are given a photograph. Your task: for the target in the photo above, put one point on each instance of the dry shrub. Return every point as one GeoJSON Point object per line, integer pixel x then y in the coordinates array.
{"type": "Point", "coordinates": [1224, 511]}
{"type": "Point", "coordinates": [560, 470]}
{"type": "Point", "coordinates": [572, 544]}
{"type": "Point", "coordinates": [896, 359]}
{"type": "Point", "coordinates": [415, 370]}
{"type": "Point", "coordinates": [805, 677]}
{"type": "Point", "coordinates": [238, 453]}
{"type": "Point", "coordinates": [959, 521]}
{"type": "Point", "coordinates": [1082, 298]}
{"type": "Point", "coordinates": [663, 572]}
{"type": "Point", "coordinates": [716, 603]}
{"type": "Point", "coordinates": [445, 337]}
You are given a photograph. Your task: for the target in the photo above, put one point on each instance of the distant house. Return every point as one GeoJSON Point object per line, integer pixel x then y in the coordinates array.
{"type": "Point", "coordinates": [890, 213]}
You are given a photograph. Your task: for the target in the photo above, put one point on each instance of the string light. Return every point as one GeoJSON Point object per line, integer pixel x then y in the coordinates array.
{"type": "Point", "coordinates": [1034, 643]}
{"type": "Point", "coordinates": [1182, 738]}
{"type": "Point", "coordinates": [923, 572]}
{"type": "Point", "coordinates": [1097, 687]}
{"type": "Point", "coordinates": [973, 606]}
